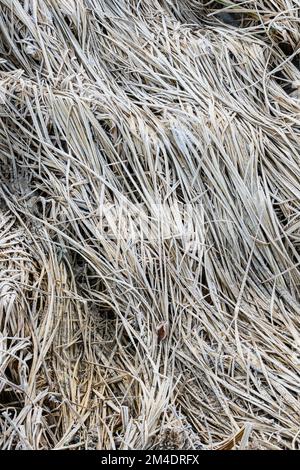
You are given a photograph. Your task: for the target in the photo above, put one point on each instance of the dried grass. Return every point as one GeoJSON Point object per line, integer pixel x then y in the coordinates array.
{"type": "Point", "coordinates": [111, 343]}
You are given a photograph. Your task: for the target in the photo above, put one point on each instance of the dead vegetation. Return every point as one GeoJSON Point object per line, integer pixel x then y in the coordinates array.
{"type": "Point", "coordinates": [118, 342]}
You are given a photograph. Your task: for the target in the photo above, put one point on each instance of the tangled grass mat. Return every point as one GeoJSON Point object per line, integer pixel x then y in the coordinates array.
{"type": "Point", "coordinates": [149, 224]}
